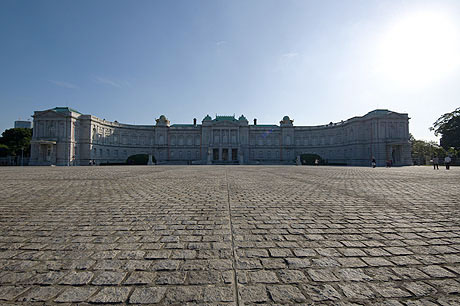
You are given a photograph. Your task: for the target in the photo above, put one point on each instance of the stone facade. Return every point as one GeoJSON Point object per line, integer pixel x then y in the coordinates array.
{"type": "Point", "coordinates": [63, 136]}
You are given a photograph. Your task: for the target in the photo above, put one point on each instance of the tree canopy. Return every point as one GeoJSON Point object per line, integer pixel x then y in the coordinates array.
{"type": "Point", "coordinates": [448, 126]}
{"type": "Point", "coordinates": [17, 139]}
{"type": "Point", "coordinates": [423, 151]}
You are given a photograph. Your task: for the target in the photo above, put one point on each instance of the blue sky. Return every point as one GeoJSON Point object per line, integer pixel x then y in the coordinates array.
{"type": "Point", "coordinates": [316, 61]}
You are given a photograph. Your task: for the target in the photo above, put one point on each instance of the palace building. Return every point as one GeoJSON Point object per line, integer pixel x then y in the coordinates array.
{"type": "Point", "coordinates": [63, 136]}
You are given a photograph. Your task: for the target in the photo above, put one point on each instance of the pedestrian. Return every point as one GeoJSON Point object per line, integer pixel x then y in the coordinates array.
{"type": "Point", "coordinates": [389, 163]}
{"type": "Point", "coordinates": [316, 162]}
{"type": "Point", "coordinates": [435, 162]}
{"type": "Point", "coordinates": [374, 163]}
{"type": "Point", "coordinates": [447, 161]}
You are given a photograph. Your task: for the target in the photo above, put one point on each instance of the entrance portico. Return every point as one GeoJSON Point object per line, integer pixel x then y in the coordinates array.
{"type": "Point", "coordinates": [225, 154]}
{"type": "Point", "coordinates": [46, 152]}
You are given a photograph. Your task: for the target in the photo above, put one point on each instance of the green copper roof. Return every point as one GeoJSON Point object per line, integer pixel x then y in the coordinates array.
{"type": "Point", "coordinates": [183, 124]}
{"type": "Point", "coordinates": [378, 112]}
{"type": "Point", "coordinates": [65, 110]}
{"type": "Point", "coordinates": [225, 118]}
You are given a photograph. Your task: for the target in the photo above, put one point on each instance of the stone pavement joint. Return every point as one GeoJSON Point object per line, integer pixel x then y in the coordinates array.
{"type": "Point", "coordinates": [229, 235]}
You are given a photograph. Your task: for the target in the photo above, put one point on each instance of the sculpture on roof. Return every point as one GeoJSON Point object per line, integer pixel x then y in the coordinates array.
{"type": "Point", "coordinates": [162, 121]}
{"type": "Point", "coordinates": [286, 121]}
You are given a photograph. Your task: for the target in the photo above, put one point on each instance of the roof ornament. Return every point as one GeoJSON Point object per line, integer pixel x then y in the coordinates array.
{"type": "Point", "coordinates": [286, 121]}
{"type": "Point", "coordinates": [162, 121]}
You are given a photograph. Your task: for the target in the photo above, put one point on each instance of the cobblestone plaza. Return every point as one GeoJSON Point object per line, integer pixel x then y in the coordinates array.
{"type": "Point", "coordinates": [232, 235]}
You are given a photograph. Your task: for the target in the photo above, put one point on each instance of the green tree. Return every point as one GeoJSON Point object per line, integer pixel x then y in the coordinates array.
{"type": "Point", "coordinates": [448, 126]}
{"type": "Point", "coordinates": [4, 150]}
{"type": "Point", "coordinates": [16, 140]}
{"type": "Point", "coordinates": [425, 150]}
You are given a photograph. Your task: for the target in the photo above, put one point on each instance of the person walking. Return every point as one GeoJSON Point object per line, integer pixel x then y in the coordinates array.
{"type": "Point", "coordinates": [373, 162]}
{"type": "Point", "coordinates": [447, 161]}
{"type": "Point", "coordinates": [435, 162]}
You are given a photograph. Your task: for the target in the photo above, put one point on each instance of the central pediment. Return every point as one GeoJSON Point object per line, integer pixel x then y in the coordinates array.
{"type": "Point", "coordinates": [225, 120]}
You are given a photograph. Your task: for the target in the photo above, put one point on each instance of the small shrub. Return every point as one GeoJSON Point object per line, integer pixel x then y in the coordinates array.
{"type": "Point", "coordinates": [139, 159]}
{"type": "Point", "coordinates": [309, 159]}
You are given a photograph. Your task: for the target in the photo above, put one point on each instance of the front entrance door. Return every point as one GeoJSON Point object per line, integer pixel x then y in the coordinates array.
{"type": "Point", "coordinates": [215, 154]}
{"type": "Point", "coordinates": [234, 154]}
{"type": "Point", "coordinates": [224, 154]}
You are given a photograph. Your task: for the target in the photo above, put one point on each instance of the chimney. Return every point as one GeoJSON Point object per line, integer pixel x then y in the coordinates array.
{"type": "Point", "coordinates": [194, 121]}
{"type": "Point", "coordinates": [255, 121]}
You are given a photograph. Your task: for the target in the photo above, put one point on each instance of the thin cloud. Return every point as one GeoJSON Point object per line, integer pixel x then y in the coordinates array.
{"type": "Point", "coordinates": [64, 84]}
{"type": "Point", "coordinates": [221, 43]}
{"type": "Point", "coordinates": [107, 81]}
{"type": "Point", "coordinates": [290, 55]}
{"type": "Point", "coordinates": [286, 61]}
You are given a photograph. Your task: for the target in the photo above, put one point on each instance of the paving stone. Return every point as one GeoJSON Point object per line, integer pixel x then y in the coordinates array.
{"type": "Point", "coordinates": [321, 292]}
{"type": "Point", "coordinates": [409, 273]}
{"type": "Point", "coordinates": [298, 263]}
{"type": "Point", "coordinates": [184, 294]}
{"type": "Point", "coordinates": [322, 275]}
{"type": "Point", "coordinates": [141, 278]}
{"type": "Point", "coordinates": [158, 254]}
{"type": "Point", "coordinates": [75, 294]}
{"type": "Point", "coordinates": [376, 261]}
{"type": "Point", "coordinates": [253, 294]}
{"type": "Point", "coordinates": [448, 286]}
{"type": "Point", "coordinates": [437, 271]}
{"type": "Point", "coordinates": [357, 290]}
{"type": "Point", "coordinates": [204, 277]}
{"type": "Point", "coordinates": [262, 276]}
{"type": "Point", "coordinates": [351, 262]}
{"type": "Point", "coordinates": [148, 295]}
{"type": "Point", "coordinates": [218, 294]}
{"type": "Point", "coordinates": [389, 290]}
{"type": "Point", "coordinates": [324, 262]}
{"type": "Point", "coordinates": [304, 252]}
{"type": "Point", "coordinates": [183, 254]}
{"type": "Point", "coordinates": [162, 265]}
{"type": "Point", "coordinates": [354, 274]}
{"type": "Point", "coordinates": [111, 295]}
{"type": "Point", "coordinates": [286, 294]}
{"type": "Point", "coordinates": [280, 252]}
{"type": "Point", "coordinates": [273, 263]}
{"type": "Point", "coordinates": [420, 288]}
{"type": "Point", "coordinates": [108, 278]}
{"type": "Point", "coordinates": [76, 278]}
{"type": "Point", "coordinates": [292, 276]}
{"type": "Point", "coordinates": [40, 294]}
{"type": "Point", "coordinates": [50, 278]}
{"type": "Point", "coordinates": [141, 265]}
{"type": "Point", "coordinates": [8, 293]}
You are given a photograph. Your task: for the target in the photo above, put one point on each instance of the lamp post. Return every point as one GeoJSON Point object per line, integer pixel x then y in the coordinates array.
{"type": "Point", "coordinates": [22, 156]}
